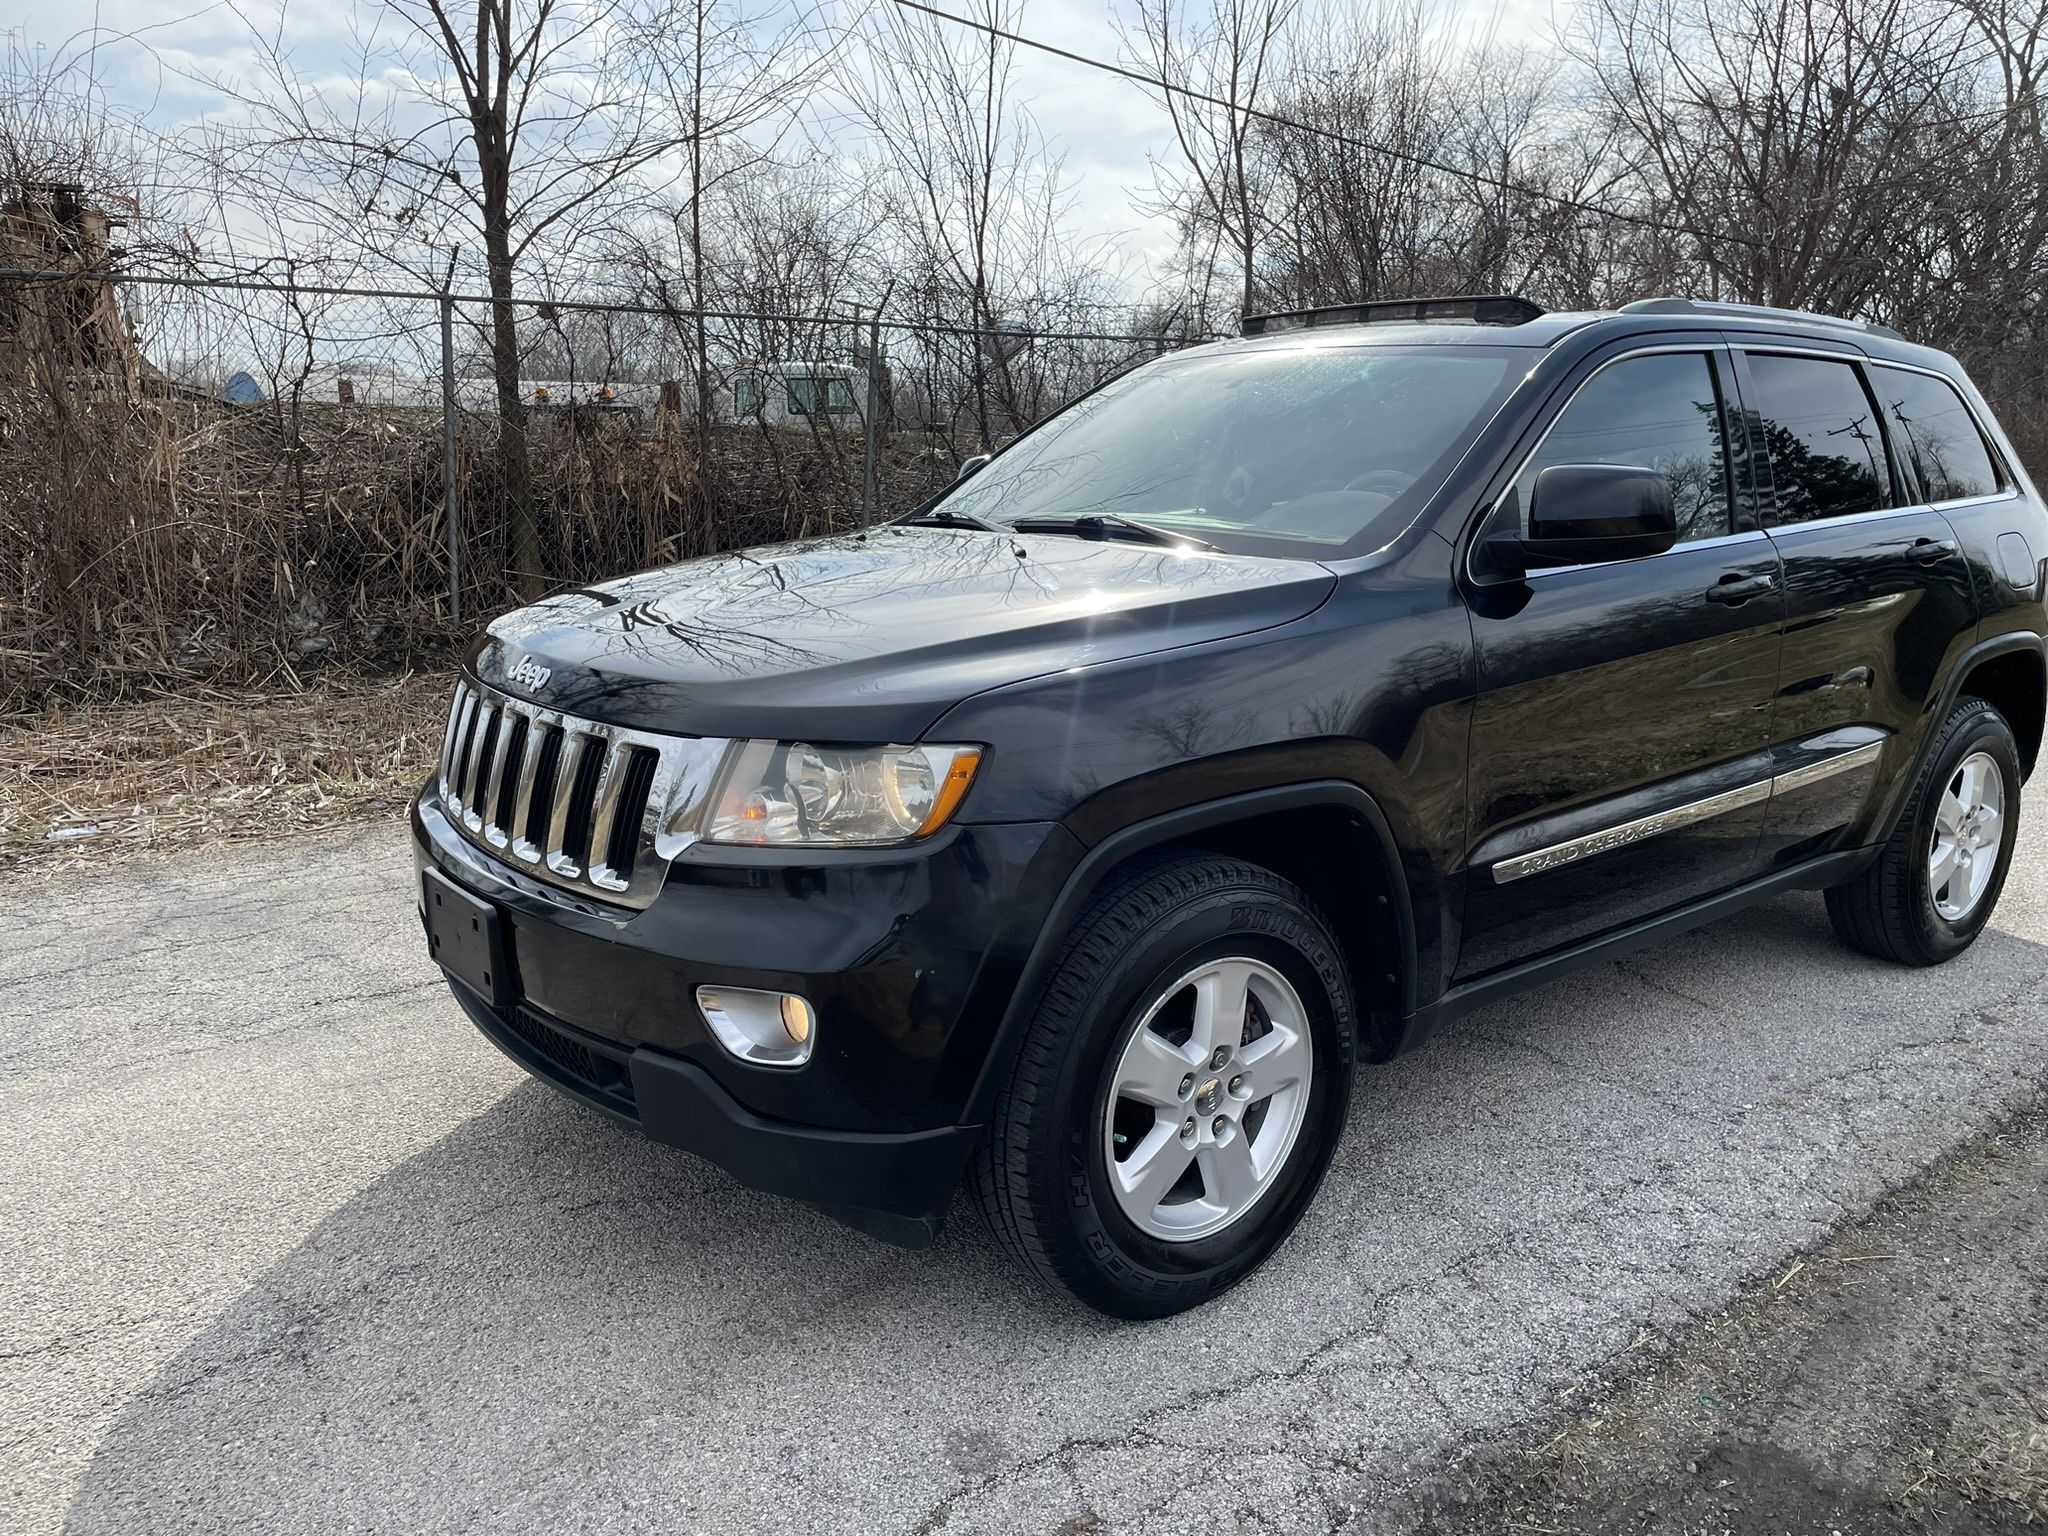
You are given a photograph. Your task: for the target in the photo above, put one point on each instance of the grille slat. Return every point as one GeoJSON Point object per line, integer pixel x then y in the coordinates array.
{"type": "Point", "coordinates": [461, 702]}
{"type": "Point", "coordinates": [575, 749]}
{"type": "Point", "coordinates": [583, 802]}
{"type": "Point", "coordinates": [572, 802]}
{"type": "Point", "coordinates": [473, 769]}
{"type": "Point", "coordinates": [611, 783]}
{"type": "Point", "coordinates": [512, 731]}
{"type": "Point", "coordinates": [537, 794]}
{"type": "Point", "coordinates": [618, 846]}
{"type": "Point", "coordinates": [458, 753]}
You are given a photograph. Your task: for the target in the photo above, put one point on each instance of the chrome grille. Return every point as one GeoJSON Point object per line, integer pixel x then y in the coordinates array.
{"type": "Point", "coordinates": [573, 802]}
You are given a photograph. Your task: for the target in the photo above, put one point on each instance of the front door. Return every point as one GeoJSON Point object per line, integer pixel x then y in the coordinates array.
{"type": "Point", "coordinates": [1620, 760]}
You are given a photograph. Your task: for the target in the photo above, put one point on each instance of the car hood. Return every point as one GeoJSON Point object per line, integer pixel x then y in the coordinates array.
{"type": "Point", "coordinates": [872, 637]}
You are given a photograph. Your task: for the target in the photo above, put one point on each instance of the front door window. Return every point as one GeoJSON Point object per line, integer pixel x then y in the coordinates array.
{"type": "Point", "coordinates": [1659, 411]}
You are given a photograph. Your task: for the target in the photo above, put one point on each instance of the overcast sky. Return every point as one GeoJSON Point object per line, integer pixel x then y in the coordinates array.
{"type": "Point", "coordinates": [155, 54]}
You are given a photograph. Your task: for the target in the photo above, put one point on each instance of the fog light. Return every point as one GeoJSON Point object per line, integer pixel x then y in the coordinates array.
{"type": "Point", "coordinates": [770, 1029]}
{"type": "Point", "coordinates": [796, 1020]}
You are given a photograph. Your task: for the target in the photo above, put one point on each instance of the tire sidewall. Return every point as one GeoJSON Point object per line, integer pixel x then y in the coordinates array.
{"type": "Point", "coordinates": [1152, 1275]}
{"type": "Point", "coordinates": [1983, 730]}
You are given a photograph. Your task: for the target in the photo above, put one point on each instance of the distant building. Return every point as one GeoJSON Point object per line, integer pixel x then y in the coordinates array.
{"type": "Point", "coordinates": [783, 394]}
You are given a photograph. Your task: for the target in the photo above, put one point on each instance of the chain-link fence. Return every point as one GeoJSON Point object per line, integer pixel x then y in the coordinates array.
{"type": "Point", "coordinates": [236, 482]}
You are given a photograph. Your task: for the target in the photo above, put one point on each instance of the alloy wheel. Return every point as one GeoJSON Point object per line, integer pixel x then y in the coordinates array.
{"type": "Point", "coordinates": [1969, 826]}
{"type": "Point", "coordinates": [1207, 1099]}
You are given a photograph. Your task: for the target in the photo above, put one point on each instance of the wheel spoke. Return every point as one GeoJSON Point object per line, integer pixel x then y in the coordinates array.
{"type": "Point", "coordinates": [1229, 1177]}
{"type": "Point", "coordinates": [1154, 1166]}
{"type": "Point", "coordinates": [1151, 1071]}
{"type": "Point", "coordinates": [1991, 831]}
{"type": "Point", "coordinates": [1276, 1060]}
{"type": "Point", "coordinates": [1942, 865]}
{"type": "Point", "coordinates": [1949, 812]}
{"type": "Point", "coordinates": [1974, 879]}
{"type": "Point", "coordinates": [1971, 779]}
{"type": "Point", "coordinates": [1221, 998]}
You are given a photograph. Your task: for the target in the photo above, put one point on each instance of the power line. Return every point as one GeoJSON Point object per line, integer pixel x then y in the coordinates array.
{"type": "Point", "coordinates": [1500, 184]}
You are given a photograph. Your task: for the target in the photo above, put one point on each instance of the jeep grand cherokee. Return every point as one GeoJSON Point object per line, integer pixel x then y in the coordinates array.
{"type": "Point", "coordinates": [1075, 836]}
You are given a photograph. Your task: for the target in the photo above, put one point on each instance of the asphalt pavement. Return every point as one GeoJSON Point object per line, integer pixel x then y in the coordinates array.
{"type": "Point", "coordinates": [285, 1246]}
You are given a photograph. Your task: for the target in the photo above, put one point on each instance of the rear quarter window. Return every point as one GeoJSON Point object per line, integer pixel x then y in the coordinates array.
{"type": "Point", "coordinates": [1935, 434]}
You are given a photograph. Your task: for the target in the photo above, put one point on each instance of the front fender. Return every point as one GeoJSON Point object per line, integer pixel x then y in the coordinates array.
{"type": "Point", "coordinates": [1104, 858]}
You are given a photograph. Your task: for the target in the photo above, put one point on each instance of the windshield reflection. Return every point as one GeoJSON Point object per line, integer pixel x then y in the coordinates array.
{"type": "Point", "coordinates": [1295, 451]}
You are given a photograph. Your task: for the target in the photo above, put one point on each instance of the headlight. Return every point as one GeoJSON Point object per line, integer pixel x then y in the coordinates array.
{"type": "Point", "coordinates": [793, 794]}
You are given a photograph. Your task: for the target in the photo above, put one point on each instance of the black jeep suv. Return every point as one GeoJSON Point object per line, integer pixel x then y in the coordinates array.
{"type": "Point", "coordinates": [1075, 835]}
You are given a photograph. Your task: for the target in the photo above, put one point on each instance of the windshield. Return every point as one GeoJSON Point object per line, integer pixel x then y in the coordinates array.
{"type": "Point", "coordinates": [1319, 452]}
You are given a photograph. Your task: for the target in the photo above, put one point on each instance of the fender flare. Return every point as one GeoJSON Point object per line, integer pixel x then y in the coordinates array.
{"type": "Point", "coordinates": [1951, 690]}
{"type": "Point", "coordinates": [1104, 857]}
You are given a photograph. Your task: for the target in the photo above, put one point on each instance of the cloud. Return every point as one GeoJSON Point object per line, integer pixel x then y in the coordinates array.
{"type": "Point", "coordinates": [156, 59]}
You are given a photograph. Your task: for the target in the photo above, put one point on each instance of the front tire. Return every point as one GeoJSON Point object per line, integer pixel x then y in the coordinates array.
{"type": "Point", "coordinates": [1932, 888]}
{"type": "Point", "coordinates": [1179, 1092]}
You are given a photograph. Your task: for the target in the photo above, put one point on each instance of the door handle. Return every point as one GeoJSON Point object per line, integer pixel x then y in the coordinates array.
{"type": "Point", "coordinates": [1740, 589]}
{"type": "Point", "coordinates": [1927, 551]}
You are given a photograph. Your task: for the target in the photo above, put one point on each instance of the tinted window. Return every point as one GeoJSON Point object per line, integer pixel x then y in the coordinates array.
{"type": "Point", "coordinates": [1658, 412]}
{"type": "Point", "coordinates": [1933, 431]}
{"type": "Point", "coordinates": [805, 395]}
{"type": "Point", "coordinates": [747, 397]}
{"type": "Point", "coordinates": [1298, 450]}
{"type": "Point", "coordinates": [1827, 452]}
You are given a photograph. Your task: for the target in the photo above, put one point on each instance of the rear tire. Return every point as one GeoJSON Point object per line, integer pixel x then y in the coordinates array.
{"type": "Point", "coordinates": [1933, 886]}
{"type": "Point", "coordinates": [1122, 1162]}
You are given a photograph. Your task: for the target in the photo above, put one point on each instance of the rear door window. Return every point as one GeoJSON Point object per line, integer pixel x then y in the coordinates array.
{"type": "Point", "coordinates": [1934, 432]}
{"type": "Point", "coordinates": [1821, 430]}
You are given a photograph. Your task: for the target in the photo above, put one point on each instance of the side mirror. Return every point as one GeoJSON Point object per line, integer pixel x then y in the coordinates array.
{"type": "Point", "coordinates": [1589, 514]}
{"type": "Point", "coordinates": [973, 466]}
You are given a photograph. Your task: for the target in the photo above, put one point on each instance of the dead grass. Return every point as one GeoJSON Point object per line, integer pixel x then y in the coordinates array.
{"type": "Point", "coordinates": [104, 782]}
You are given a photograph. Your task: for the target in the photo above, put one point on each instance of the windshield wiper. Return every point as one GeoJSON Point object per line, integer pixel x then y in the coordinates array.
{"type": "Point", "coordinates": [939, 517]}
{"type": "Point", "coordinates": [1108, 525]}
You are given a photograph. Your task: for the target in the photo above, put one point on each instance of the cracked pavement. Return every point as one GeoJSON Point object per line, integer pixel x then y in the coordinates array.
{"type": "Point", "coordinates": [288, 1246]}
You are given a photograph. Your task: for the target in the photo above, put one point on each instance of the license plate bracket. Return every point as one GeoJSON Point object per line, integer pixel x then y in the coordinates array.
{"type": "Point", "coordinates": [466, 937]}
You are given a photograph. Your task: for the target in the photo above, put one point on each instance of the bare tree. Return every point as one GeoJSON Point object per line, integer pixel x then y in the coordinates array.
{"type": "Point", "coordinates": [731, 81]}
{"type": "Point", "coordinates": [1218, 66]}
{"type": "Point", "coordinates": [518, 129]}
{"type": "Point", "coordinates": [1770, 133]}
{"type": "Point", "coordinates": [975, 206]}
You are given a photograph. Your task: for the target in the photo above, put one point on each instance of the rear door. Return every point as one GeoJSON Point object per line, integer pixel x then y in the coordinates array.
{"type": "Point", "coordinates": [1620, 750]}
{"type": "Point", "coordinates": [1878, 597]}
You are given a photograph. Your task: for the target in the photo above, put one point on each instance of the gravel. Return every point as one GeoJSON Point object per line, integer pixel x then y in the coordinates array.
{"type": "Point", "coordinates": [284, 1244]}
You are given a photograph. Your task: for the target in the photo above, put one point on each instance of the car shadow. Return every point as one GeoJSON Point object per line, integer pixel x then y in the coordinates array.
{"type": "Point", "coordinates": [544, 1319]}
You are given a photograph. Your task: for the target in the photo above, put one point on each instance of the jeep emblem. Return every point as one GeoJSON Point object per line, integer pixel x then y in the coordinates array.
{"type": "Point", "coordinates": [531, 674]}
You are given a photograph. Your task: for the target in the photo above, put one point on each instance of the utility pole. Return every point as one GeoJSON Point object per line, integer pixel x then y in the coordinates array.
{"type": "Point", "coordinates": [872, 412]}
{"type": "Point", "coordinates": [451, 493]}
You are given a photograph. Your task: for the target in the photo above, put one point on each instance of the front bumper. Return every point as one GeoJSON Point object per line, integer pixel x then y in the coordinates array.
{"type": "Point", "coordinates": [909, 957]}
{"type": "Point", "coordinates": [892, 1186]}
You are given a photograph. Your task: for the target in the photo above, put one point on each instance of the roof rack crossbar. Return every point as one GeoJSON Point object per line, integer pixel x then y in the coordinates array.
{"type": "Point", "coordinates": [1466, 308]}
{"type": "Point", "coordinates": [1675, 306]}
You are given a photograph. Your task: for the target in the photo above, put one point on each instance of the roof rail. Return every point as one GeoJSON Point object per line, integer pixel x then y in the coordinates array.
{"type": "Point", "coordinates": [1471, 308]}
{"type": "Point", "coordinates": [1754, 312]}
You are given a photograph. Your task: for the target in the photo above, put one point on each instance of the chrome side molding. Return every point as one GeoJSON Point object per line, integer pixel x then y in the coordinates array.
{"type": "Point", "coordinates": [1644, 827]}
{"type": "Point", "coordinates": [1827, 768]}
